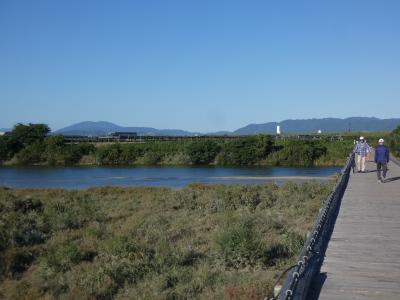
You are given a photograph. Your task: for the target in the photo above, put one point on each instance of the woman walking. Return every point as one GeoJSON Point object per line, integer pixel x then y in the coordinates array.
{"type": "Point", "coordinates": [361, 150]}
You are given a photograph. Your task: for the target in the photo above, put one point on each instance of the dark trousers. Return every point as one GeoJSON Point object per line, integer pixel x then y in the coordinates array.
{"type": "Point", "coordinates": [379, 167]}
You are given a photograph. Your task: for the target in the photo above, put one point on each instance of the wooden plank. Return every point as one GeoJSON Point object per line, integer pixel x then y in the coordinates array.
{"type": "Point", "coordinates": [363, 257]}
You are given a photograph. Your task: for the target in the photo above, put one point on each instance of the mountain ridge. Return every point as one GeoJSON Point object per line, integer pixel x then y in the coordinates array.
{"type": "Point", "coordinates": [323, 124]}
{"type": "Point", "coordinates": [101, 128]}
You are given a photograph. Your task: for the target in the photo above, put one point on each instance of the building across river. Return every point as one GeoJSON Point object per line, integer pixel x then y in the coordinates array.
{"type": "Point", "coordinates": [124, 135]}
{"type": "Point", "coordinates": [135, 137]}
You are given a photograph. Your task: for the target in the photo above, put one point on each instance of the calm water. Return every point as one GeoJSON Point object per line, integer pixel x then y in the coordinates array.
{"type": "Point", "coordinates": [84, 177]}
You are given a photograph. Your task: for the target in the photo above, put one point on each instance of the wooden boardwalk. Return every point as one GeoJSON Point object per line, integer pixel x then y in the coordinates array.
{"type": "Point", "coordinates": [363, 256]}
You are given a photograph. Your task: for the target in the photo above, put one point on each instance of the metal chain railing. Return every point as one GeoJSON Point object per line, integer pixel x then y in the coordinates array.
{"type": "Point", "coordinates": [299, 278]}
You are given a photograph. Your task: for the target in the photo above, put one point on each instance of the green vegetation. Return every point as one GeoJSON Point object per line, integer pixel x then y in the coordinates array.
{"type": "Point", "coordinates": [199, 242]}
{"type": "Point", "coordinates": [394, 142]}
{"type": "Point", "coordinates": [308, 153]}
{"type": "Point", "coordinates": [30, 144]}
{"type": "Point", "coordinates": [252, 150]}
{"type": "Point", "coordinates": [246, 151]}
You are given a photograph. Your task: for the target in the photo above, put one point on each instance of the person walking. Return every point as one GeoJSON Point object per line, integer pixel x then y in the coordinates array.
{"type": "Point", "coordinates": [381, 160]}
{"type": "Point", "coordinates": [361, 150]}
{"type": "Point", "coordinates": [368, 157]}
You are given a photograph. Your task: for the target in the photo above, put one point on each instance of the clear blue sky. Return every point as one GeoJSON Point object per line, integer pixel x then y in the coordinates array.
{"type": "Point", "coordinates": [197, 65]}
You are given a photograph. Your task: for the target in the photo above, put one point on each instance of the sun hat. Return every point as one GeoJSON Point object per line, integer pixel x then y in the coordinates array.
{"type": "Point", "coordinates": [381, 141]}
{"type": "Point", "coordinates": [361, 137]}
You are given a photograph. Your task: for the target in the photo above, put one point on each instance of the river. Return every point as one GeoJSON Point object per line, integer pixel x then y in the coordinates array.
{"type": "Point", "coordinates": [84, 177]}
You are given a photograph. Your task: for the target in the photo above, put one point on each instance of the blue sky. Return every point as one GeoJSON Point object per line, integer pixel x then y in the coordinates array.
{"type": "Point", "coordinates": [197, 65]}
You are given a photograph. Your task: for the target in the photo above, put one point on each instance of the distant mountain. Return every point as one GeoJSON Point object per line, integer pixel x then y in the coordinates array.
{"type": "Point", "coordinates": [103, 128]}
{"type": "Point", "coordinates": [5, 129]}
{"type": "Point", "coordinates": [326, 125]}
{"type": "Point", "coordinates": [89, 128]}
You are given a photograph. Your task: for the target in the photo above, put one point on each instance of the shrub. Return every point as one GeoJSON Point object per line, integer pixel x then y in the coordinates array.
{"type": "Point", "coordinates": [201, 153]}
{"type": "Point", "coordinates": [129, 154]}
{"type": "Point", "coordinates": [245, 151]}
{"type": "Point", "coordinates": [289, 245]}
{"type": "Point", "coordinates": [22, 223]}
{"type": "Point", "coordinates": [72, 211]}
{"type": "Point", "coordinates": [21, 227]}
{"type": "Point", "coordinates": [18, 260]}
{"type": "Point", "coordinates": [124, 260]}
{"type": "Point", "coordinates": [60, 257]}
{"type": "Point", "coordinates": [238, 244]}
{"type": "Point", "coordinates": [60, 153]}
{"type": "Point", "coordinates": [90, 281]}
{"type": "Point", "coordinates": [31, 154]}
{"type": "Point", "coordinates": [109, 155]}
{"type": "Point", "coordinates": [297, 153]}
{"type": "Point", "coordinates": [150, 158]}
{"type": "Point", "coordinates": [179, 158]}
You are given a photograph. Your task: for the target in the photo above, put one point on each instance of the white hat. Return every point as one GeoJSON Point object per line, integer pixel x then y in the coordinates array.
{"type": "Point", "coordinates": [381, 141]}
{"type": "Point", "coordinates": [361, 137]}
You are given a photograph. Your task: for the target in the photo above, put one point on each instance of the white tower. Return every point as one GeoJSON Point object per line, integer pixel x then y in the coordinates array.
{"type": "Point", "coordinates": [278, 129]}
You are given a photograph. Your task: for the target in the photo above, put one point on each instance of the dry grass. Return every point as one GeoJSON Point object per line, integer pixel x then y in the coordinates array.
{"type": "Point", "coordinates": [200, 242]}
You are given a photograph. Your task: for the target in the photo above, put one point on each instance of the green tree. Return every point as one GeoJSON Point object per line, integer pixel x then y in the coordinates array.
{"type": "Point", "coordinates": [4, 149]}
{"type": "Point", "coordinates": [24, 135]}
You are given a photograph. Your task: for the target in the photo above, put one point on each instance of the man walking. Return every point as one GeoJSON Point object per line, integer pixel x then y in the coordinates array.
{"type": "Point", "coordinates": [361, 150]}
{"type": "Point", "coordinates": [381, 159]}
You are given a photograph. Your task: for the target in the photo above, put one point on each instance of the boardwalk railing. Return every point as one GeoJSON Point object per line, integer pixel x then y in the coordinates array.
{"type": "Point", "coordinates": [298, 280]}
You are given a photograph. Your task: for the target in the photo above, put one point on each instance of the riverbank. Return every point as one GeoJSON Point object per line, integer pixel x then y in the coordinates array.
{"type": "Point", "coordinates": [144, 243]}
{"type": "Point", "coordinates": [261, 150]}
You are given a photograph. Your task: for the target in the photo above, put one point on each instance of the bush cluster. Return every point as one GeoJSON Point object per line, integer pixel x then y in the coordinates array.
{"type": "Point", "coordinates": [252, 150]}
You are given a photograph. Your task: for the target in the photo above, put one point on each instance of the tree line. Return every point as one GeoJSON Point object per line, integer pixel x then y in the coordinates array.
{"type": "Point", "coordinates": [31, 144]}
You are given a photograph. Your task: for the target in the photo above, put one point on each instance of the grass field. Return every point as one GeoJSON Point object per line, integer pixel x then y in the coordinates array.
{"type": "Point", "coordinates": [200, 242]}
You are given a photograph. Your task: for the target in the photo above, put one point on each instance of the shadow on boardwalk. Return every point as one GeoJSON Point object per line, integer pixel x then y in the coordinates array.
{"type": "Point", "coordinates": [316, 286]}
{"type": "Point", "coordinates": [320, 278]}
{"type": "Point", "coordinates": [392, 179]}
{"type": "Point", "coordinates": [368, 171]}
